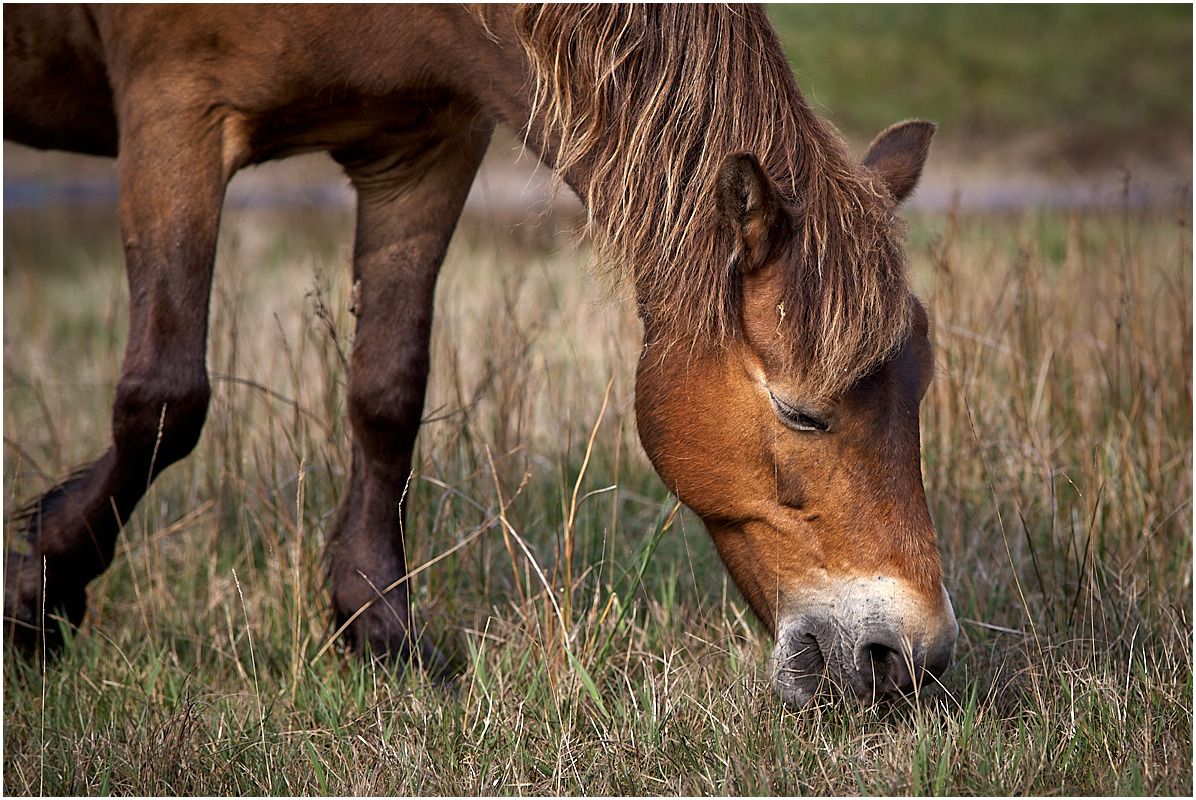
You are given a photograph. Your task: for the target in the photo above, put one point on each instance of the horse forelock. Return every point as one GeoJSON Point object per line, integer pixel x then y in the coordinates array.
{"type": "Point", "coordinates": [847, 301]}
{"type": "Point", "coordinates": [639, 106]}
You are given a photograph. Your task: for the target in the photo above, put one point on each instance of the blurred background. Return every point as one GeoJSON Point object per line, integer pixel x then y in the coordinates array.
{"type": "Point", "coordinates": [1036, 104]}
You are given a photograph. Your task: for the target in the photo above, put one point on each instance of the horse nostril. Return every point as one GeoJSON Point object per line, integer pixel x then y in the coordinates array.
{"type": "Point", "coordinates": [887, 669]}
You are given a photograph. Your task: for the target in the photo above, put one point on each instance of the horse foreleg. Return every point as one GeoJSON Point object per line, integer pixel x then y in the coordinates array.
{"type": "Point", "coordinates": [171, 193]}
{"type": "Point", "coordinates": [407, 210]}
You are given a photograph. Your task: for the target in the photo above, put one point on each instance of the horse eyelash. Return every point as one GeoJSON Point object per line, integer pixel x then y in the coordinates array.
{"type": "Point", "coordinates": [796, 418]}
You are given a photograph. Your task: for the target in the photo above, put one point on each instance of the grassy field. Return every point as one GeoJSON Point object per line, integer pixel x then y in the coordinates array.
{"type": "Point", "coordinates": [1057, 450]}
{"type": "Point", "coordinates": [1058, 463]}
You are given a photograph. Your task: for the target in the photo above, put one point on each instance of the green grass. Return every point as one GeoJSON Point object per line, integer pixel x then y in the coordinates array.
{"type": "Point", "coordinates": [1057, 457]}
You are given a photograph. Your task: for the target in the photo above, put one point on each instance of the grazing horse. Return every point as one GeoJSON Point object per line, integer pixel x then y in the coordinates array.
{"type": "Point", "coordinates": [784, 357]}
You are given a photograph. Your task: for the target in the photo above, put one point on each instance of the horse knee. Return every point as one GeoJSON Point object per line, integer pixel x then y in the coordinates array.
{"type": "Point", "coordinates": [159, 416]}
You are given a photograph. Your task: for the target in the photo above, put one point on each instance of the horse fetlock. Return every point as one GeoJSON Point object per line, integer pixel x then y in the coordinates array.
{"type": "Point", "coordinates": [162, 420]}
{"type": "Point", "coordinates": [184, 397]}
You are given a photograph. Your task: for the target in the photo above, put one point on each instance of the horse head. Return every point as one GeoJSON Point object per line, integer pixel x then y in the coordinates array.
{"type": "Point", "coordinates": [802, 456]}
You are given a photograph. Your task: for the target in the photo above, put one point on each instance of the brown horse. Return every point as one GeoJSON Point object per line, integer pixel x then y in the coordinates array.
{"type": "Point", "coordinates": [784, 355]}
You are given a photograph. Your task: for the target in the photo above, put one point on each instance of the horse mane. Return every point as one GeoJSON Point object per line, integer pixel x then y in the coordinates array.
{"type": "Point", "coordinates": [640, 104]}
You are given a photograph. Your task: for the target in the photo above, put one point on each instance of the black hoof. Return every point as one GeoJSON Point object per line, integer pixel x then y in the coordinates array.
{"type": "Point", "coordinates": [34, 612]}
{"type": "Point", "coordinates": [391, 643]}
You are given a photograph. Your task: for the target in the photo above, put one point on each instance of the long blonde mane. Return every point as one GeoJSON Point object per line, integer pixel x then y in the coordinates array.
{"type": "Point", "coordinates": [640, 104]}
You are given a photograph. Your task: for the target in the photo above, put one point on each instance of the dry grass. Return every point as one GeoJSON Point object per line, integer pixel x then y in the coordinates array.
{"type": "Point", "coordinates": [1058, 459]}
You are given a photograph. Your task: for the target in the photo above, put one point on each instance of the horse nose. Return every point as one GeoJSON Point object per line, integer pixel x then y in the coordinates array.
{"type": "Point", "coordinates": [880, 639]}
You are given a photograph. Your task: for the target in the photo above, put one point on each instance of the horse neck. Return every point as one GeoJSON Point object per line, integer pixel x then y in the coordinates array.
{"type": "Point", "coordinates": [501, 78]}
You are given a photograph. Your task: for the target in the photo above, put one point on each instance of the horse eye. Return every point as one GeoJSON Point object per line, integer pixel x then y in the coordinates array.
{"type": "Point", "coordinates": [796, 418]}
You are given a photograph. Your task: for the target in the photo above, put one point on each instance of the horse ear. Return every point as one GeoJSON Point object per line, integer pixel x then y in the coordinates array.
{"type": "Point", "coordinates": [898, 155]}
{"type": "Point", "coordinates": [751, 207]}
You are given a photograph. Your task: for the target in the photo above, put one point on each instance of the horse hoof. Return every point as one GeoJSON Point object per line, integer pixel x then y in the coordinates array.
{"type": "Point", "coordinates": [395, 645]}
{"type": "Point", "coordinates": [34, 613]}
{"type": "Point", "coordinates": [435, 664]}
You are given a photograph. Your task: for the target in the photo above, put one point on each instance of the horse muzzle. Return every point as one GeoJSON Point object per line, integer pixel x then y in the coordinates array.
{"type": "Point", "coordinates": [874, 636]}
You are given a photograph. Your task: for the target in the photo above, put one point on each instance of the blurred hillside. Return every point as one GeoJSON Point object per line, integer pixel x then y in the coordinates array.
{"type": "Point", "coordinates": [1036, 104]}
{"type": "Point", "coordinates": [1081, 86]}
